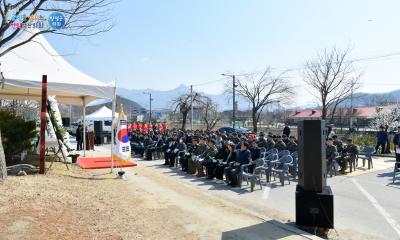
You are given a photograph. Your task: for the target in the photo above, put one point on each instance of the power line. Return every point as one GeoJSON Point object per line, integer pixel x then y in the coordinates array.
{"type": "Point", "coordinates": [298, 68]}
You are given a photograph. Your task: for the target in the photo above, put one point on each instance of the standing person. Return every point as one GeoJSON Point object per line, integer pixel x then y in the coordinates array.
{"type": "Point", "coordinates": [329, 132]}
{"type": "Point", "coordinates": [396, 143]}
{"type": "Point", "coordinates": [286, 130]}
{"type": "Point", "coordinates": [79, 138]}
{"type": "Point", "coordinates": [381, 139]}
{"type": "Point", "coordinates": [331, 154]}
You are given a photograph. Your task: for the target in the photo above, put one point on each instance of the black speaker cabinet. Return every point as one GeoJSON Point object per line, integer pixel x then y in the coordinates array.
{"type": "Point", "coordinates": [98, 127]}
{"type": "Point", "coordinates": [312, 158]}
{"type": "Point", "coordinates": [314, 209]}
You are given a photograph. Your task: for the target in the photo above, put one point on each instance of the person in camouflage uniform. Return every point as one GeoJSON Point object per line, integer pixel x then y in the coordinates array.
{"type": "Point", "coordinates": [262, 142]}
{"type": "Point", "coordinates": [338, 144]}
{"type": "Point", "coordinates": [292, 145]}
{"type": "Point", "coordinates": [285, 139]}
{"type": "Point", "coordinates": [349, 154]}
{"type": "Point", "coordinates": [270, 143]}
{"type": "Point", "coordinates": [209, 152]}
{"type": "Point", "coordinates": [209, 158]}
{"type": "Point", "coordinates": [197, 150]}
{"type": "Point", "coordinates": [280, 145]}
{"type": "Point", "coordinates": [331, 154]}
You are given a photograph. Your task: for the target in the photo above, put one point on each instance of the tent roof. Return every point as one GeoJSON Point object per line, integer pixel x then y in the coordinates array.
{"type": "Point", "coordinates": [103, 113]}
{"type": "Point", "coordinates": [24, 66]}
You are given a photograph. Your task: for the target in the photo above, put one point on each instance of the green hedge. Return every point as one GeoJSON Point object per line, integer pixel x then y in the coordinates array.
{"type": "Point", "coordinates": [17, 134]}
{"type": "Point", "coordinates": [364, 140]}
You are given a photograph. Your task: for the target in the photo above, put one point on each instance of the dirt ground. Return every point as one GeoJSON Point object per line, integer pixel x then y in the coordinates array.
{"type": "Point", "coordinates": [79, 204]}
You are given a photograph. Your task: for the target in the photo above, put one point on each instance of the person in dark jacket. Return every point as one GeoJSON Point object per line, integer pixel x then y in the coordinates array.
{"type": "Point", "coordinates": [396, 143]}
{"type": "Point", "coordinates": [79, 138]}
{"type": "Point", "coordinates": [233, 171]}
{"type": "Point", "coordinates": [381, 138]}
{"type": "Point", "coordinates": [231, 157]}
{"type": "Point", "coordinates": [255, 151]}
{"type": "Point", "coordinates": [286, 130]}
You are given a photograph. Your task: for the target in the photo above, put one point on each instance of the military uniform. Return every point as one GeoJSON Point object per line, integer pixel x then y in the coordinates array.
{"type": "Point", "coordinates": [270, 144]}
{"type": "Point", "coordinates": [349, 154]}
{"type": "Point", "coordinates": [331, 152]}
{"type": "Point", "coordinates": [262, 143]}
{"type": "Point", "coordinates": [280, 146]}
{"type": "Point", "coordinates": [339, 145]}
{"type": "Point", "coordinates": [291, 146]}
{"type": "Point", "coordinates": [201, 152]}
{"type": "Point", "coordinates": [208, 162]}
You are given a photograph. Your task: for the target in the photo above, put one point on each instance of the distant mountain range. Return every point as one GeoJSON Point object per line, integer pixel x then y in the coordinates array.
{"type": "Point", "coordinates": [164, 99]}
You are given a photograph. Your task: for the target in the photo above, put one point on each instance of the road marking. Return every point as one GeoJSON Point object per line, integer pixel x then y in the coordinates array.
{"type": "Point", "coordinates": [378, 207]}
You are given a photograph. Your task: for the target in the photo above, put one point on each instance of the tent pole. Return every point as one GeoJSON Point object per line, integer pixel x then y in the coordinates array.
{"type": "Point", "coordinates": [84, 126]}
{"type": "Point", "coordinates": [112, 124]}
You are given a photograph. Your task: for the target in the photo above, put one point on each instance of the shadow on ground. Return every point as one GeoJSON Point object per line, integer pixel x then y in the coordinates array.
{"type": "Point", "coordinates": [219, 184]}
{"type": "Point", "coordinates": [263, 231]}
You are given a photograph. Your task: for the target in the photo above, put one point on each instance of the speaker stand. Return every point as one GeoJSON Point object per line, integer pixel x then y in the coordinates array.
{"type": "Point", "coordinates": [314, 209]}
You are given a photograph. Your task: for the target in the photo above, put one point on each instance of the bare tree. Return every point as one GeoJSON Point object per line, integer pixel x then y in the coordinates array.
{"type": "Point", "coordinates": [210, 114]}
{"type": "Point", "coordinates": [183, 104]}
{"type": "Point", "coordinates": [82, 18]}
{"type": "Point", "coordinates": [261, 90]}
{"type": "Point", "coordinates": [332, 78]}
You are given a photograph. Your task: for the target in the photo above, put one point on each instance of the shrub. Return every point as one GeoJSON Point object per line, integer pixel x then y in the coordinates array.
{"type": "Point", "coordinates": [17, 134]}
{"type": "Point", "coordinates": [365, 140]}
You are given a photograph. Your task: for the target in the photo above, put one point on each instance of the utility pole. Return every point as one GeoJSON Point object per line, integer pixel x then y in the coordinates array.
{"type": "Point", "coordinates": [150, 99]}
{"type": "Point", "coordinates": [233, 97]}
{"type": "Point", "coordinates": [351, 105]}
{"type": "Point", "coordinates": [150, 107]}
{"type": "Point", "coordinates": [234, 101]}
{"type": "Point", "coordinates": [191, 107]}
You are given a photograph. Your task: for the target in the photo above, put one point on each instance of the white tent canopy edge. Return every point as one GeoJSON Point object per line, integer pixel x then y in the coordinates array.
{"type": "Point", "coordinates": [23, 67]}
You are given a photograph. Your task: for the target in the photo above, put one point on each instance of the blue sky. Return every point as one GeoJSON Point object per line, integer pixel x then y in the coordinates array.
{"type": "Point", "coordinates": [162, 44]}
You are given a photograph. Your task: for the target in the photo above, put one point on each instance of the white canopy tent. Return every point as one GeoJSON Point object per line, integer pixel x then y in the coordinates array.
{"type": "Point", "coordinates": [103, 114]}
{"type": "Point", "coordinates": [22, 71]}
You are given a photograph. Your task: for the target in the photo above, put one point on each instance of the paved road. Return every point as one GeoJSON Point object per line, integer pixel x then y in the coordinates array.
{"type": "Point", "coordinates": [366, 206]}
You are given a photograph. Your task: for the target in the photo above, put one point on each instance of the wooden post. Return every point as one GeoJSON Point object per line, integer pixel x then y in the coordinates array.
{"type": "Point", "coordinates": [43, 125]}
{"type": "Point", "coordinates": [3, 167]}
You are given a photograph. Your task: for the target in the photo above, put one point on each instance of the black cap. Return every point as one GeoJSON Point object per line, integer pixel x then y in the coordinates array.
{"type": "Point", "coordinates": [330, 139]}
{"type": "Point", "coordinates": [349, 140]}
{"type": "Point", "coordinates": [262, 134]}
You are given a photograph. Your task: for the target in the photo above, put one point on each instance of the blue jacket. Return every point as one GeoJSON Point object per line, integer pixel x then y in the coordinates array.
{"type": "Point", "coordinates": [244, 157]}
{"type": "Point", "coordinates": [396, 139]}
{"type": "Point", "coordinates": [382, 137]}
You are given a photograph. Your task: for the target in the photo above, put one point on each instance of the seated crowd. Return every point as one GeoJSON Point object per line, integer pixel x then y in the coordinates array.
{"type": "Point", "coordinates": [220, 155]}
{"type": "Point", "coordinates": [209, 154]}
{"type": "Point", "coordinates": [340, 153]}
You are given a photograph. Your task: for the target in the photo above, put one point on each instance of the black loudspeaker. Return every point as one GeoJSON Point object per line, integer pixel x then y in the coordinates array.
{"type": "Point", "coordinates": [314, 209]}
{"type": "Point", "coordinates": [312, 157]}
{"type": "Point", "coordinates": [98, 127]}
{"type": "Point", "coordinates": [66, 122]}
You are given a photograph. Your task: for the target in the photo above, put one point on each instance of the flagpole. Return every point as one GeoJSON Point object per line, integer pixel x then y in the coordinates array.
{"type": "Point", "coordinates": [113, 124]}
